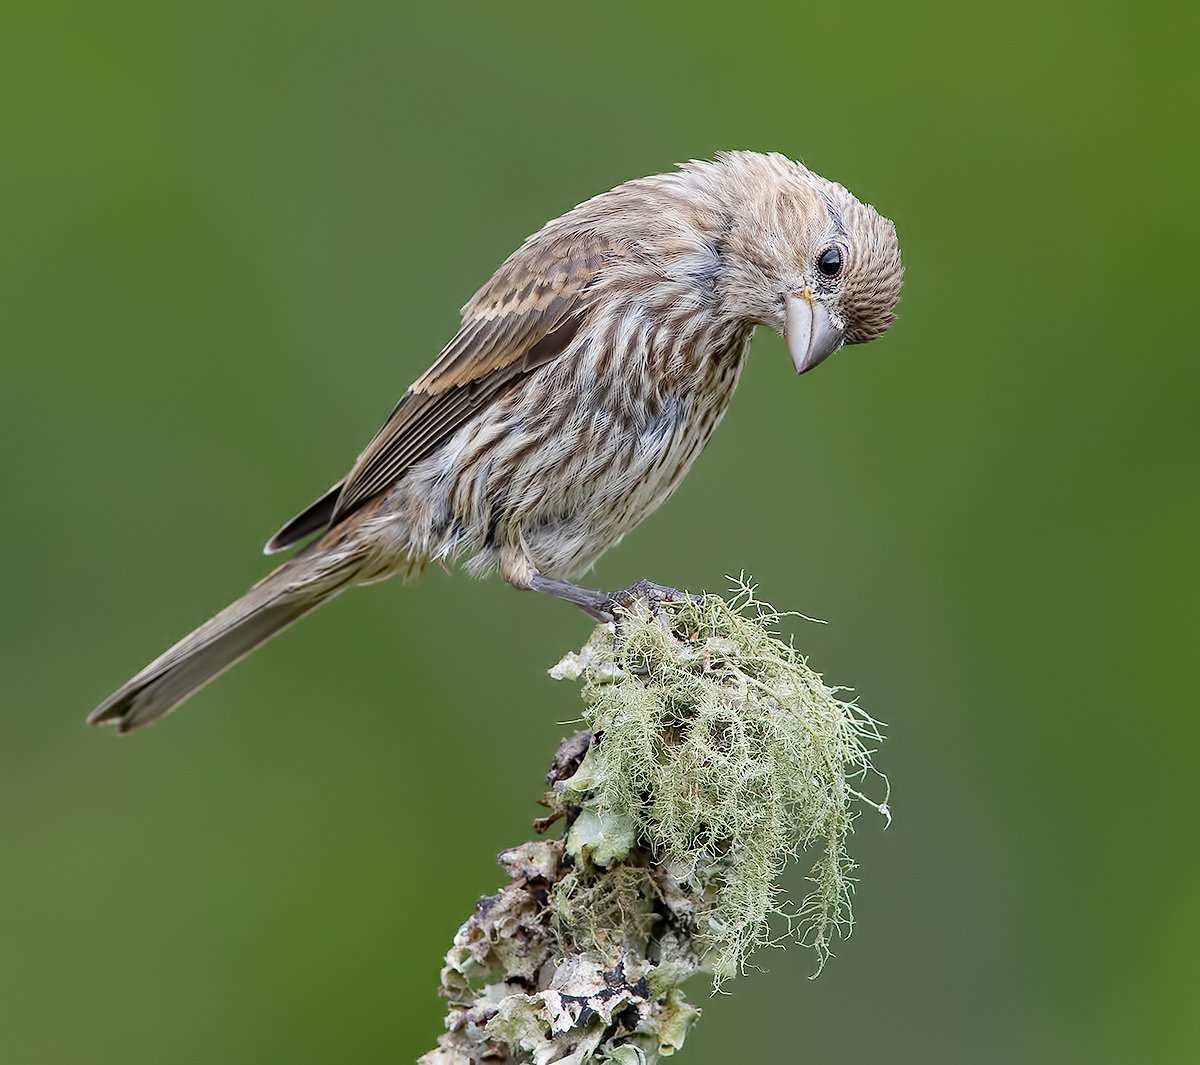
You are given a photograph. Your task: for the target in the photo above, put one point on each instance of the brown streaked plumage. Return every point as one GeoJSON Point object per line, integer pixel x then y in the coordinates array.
{"type": "Point", "coordinates": [586, 377]}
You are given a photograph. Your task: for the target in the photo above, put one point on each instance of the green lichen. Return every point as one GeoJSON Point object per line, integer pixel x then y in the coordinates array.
{"type": "Point", "coordinates": [714, 755]}
{"type": "Point", "coordinates": [723, 754]}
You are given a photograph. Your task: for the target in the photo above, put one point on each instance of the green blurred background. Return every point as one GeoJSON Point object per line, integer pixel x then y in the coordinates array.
{"type": "Point", "coordinates": [234, 232]}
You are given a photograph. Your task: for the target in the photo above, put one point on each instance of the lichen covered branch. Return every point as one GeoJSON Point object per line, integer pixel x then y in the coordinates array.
{"type": "Point", "coordinates": [713, 755]}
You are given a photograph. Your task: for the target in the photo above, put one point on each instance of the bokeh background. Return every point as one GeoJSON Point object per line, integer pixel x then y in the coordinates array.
{"type": "Point", "coordinates": [233, 232]}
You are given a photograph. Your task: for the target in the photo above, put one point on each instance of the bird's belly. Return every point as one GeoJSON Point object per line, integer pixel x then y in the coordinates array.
{"type": "Point", "coordinates": [592, 485]}
{"type": "Point", "coordinates": [548, 479]}
{"type": "Point", "coordinates": [629, 480]}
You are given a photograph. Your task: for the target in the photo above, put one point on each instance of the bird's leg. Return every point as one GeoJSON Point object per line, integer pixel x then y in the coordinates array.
{"type": "Point", "coordinates": [609, 606]}
{"type": "Point", "coordinates": [589, 600]}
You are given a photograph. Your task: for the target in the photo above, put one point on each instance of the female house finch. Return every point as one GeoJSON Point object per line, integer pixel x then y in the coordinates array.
{"type": "Point", "coordinates": [586, 377]}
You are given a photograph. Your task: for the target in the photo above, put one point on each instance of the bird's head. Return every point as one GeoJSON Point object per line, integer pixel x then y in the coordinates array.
{"type": "Point", "coordinates": [804, 256]}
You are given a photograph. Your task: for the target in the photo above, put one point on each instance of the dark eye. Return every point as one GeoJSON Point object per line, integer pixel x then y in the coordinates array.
{"type": "Point", "coordinates": [829, 262]}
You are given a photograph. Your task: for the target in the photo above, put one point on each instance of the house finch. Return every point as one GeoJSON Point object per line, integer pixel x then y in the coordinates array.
{"type": "Point", "coordinates": [586, 377]}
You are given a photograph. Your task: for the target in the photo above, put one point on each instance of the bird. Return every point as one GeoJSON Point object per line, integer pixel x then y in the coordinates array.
{"type": "Point", "coordinates": [587, 375]}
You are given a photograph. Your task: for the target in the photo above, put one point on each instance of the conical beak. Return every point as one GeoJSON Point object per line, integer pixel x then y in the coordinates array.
{"type": "Point", "coordinates": [811, 333]}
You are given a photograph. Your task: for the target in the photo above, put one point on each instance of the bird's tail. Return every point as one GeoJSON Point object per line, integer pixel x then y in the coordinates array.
{"type": "Point", "coordinates": [285, 595]}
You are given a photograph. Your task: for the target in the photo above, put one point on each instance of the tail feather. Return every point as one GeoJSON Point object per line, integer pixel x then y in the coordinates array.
{"type": "Point", "coordinates": [284, 596]}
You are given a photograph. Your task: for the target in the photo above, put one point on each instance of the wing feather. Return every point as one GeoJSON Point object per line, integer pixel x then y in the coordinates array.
{"type": "Point", "coordinates": [524, 317]}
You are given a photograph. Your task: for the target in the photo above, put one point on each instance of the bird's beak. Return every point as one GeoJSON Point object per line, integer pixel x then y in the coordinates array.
{"type": "Point", "coordinates": [812, 335]}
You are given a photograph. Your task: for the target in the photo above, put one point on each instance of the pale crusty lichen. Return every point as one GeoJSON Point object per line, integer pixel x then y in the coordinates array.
{"type": "Point", "coordinates": [714, 755]}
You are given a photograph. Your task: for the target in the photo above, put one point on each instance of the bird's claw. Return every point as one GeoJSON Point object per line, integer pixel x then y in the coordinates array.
{"type": "Point", "coordinates": [618, 604]}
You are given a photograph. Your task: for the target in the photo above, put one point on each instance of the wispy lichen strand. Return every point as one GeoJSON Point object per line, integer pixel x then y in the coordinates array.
{"type": "Point", "coordinates": [727, 755]}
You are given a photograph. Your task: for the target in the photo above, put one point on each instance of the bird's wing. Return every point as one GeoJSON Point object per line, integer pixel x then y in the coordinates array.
{"type": "Point", "coordinates": [523, 318]}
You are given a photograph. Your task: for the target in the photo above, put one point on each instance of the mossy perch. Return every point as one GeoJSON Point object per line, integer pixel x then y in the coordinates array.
{"type": "Point", "coordinates": [713, 755]}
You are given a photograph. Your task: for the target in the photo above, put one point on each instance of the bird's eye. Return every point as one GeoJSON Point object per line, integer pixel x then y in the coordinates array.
{"type": "Point", "coordinates": [829, 262]}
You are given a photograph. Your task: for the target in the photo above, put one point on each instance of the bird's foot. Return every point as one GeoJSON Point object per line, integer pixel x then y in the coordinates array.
{"type": "Point", "coordinates": [621, 606]}
{"type": "Point", "coordinates": [618, 604]}
{"type": "Point", "coordinates": [612, 606]}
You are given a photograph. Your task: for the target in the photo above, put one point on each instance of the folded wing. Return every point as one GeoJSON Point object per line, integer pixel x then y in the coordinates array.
{"type": "Point", "coordinates": [525, 317]}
